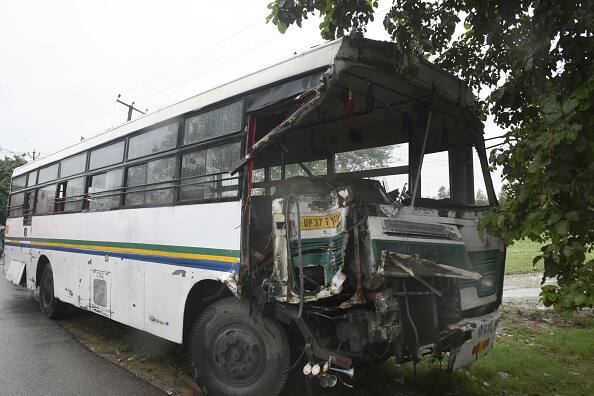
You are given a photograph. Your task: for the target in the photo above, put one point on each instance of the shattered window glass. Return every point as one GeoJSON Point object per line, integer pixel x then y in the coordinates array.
{"type": "Point", "coordinates": [214, 123]}
{"type": "Point", "coordinates": [154, 181]}
{"type": "Point", "coordinates": [105, 190]}
{"type": "Point", "coordinates": [108, 155]}
{"type": "Point", "coordinates": [16, 204]}
{"type": "Point", "coordinates": [205, 173]}
{"type": "Point", "coordinates": [32, 179]}
{"type": "Point", "coordinates": [48, 173]}
{"type": "Point", "coordinates": [75, 189]}
{"type": "Point", "coordinates": [45, 199]}
{"type": "Point", "coordinates": [19, 182]}
{"type": "Point", "coordinates": [155, 141]}
{"type": "Point", "coordinates": [74, 165]}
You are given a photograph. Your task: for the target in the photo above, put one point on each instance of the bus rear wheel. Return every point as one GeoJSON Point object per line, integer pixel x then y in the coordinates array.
{"type": "Point", "coordinates": [233, 353]}
{"type": "Point", "coordinates": [49, 304]}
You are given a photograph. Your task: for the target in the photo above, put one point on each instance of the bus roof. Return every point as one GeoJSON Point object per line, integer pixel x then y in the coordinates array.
{"type": "Point", "coordinates": [316, 58]}
{"type": "Point", "coordinates": [310, 60]}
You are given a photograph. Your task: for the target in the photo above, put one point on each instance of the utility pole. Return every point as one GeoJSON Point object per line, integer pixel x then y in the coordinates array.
{"type": "Point", "coordinates": [130, 107]}
{"type": "Point", "coordinates": [33, 155]}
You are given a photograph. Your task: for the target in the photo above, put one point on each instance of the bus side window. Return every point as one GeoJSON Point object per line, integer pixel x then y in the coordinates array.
{"type": "Point", "coordinates": [28, 208]}
{"type": "Point", "coordinates": [45, 201]}
{"type": "Point", "coordinates": [205, 173]}
{"type": "Point", "coordinates": [105, 190]}
{"type": "Point", "coordinates": [16, 204]}
{"type": "Point", "coordinates": [74, 198]}
{"type": "Point", "coordinates": [60, 196]}
{"type": "Point", "coordinates": [150, 183]}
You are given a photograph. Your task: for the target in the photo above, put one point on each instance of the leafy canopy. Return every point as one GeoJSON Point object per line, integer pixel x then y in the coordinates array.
{"type": "Point", "coordinates": [535, 57]}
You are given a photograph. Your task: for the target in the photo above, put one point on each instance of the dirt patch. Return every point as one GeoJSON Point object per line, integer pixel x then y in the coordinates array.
{"type": "Point", "coordinates": [153, 359]}
{"type": "Point", "coordinates": [541, 317]}
{"type": "Point", "coordinates": [524, 290]}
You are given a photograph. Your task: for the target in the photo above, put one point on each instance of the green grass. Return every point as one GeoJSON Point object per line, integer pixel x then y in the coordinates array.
{"type": "Point", "coordinates": [528, 359]}
{"type": "Point", "coordinates": [520, 255]}
{"type": "Point", "coordinates": [519, 258]}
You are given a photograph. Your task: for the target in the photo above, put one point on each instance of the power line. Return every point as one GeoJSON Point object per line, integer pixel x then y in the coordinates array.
{"type": "Point", "coordinates": [12, 117]}
{"type": "Point", "coordinates": [212, 68]}
{"type": "Point", "coordinates": [11, 151]}
{"type": "Point", "coordinates": [34, 155]}
{"type": "Point", "coordinates": [195, 58]}
{"type": "Point", "coordinates": [200, 55]}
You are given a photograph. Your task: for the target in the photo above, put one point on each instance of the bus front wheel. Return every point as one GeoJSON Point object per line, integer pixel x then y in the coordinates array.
{"type": "Point", "coordinates": [49, 304]}
{"type": "Point", "coordinates": [233, 353]}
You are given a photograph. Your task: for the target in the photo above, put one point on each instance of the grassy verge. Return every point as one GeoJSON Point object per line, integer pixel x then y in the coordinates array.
{"type": "Point", "coordinates": [519, 258]}
{"type": "Point", "coordinates": [535, 354]}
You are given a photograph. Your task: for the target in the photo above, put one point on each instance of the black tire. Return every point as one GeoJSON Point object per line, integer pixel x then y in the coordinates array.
{"type": "Point", "coordinates": [232, 353]}
{"type": "Point", "coordinates": [49, 304]}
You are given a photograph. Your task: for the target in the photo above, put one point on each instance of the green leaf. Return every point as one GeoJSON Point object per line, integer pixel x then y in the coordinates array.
{"type": "Point", "coordinates": [570, 105]}
{"type": "Point", "coordinates": [562, 227]}
{"type": "Point", "coordinates": [282, 27]}
{"type": "Point", "coordinates": [572, 215]}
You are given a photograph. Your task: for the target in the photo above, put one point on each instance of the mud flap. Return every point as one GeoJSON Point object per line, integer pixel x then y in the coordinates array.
{"type": "Point", "coordinates": [14, 271]}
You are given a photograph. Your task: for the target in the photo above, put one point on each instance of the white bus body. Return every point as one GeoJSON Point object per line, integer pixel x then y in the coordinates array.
{"type": "Point", "coordinates": [187, 223]}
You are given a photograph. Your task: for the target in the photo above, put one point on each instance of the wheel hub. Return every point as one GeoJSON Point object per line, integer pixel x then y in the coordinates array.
{"type": "Point", "coordinates": [239, 355]}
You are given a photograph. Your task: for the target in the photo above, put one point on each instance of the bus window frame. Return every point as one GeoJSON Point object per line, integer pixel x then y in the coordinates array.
{"type": "Point", "coordinates": [179, 120]}
{"type": "Point", "coordinates": [89, 196]}
{"type": "Point", "coordinates": [115, 141]}
{"type": "Point", "coordinates": [177, 151]}
{"type": "Point", "coordinates": [209, 108]}
{"type": "Point", "coordinates": [65, 178]}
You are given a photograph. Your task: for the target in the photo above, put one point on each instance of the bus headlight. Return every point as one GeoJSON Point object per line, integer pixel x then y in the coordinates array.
{"type": "Point", "coordinates": [488, 282]}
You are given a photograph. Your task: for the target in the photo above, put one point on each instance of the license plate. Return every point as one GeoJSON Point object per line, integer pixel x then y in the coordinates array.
{"type": "Point", "coordinates": [319, 222]}
{"type": "Point", "coordinates": [481, 342]}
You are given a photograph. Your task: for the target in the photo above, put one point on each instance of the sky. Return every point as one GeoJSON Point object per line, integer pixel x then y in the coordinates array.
{"type": "Point", "coordinates": [63, 63]}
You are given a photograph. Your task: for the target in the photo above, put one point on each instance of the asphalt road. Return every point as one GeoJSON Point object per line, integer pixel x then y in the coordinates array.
{"type": "Point", "coordinates": [39, 357]}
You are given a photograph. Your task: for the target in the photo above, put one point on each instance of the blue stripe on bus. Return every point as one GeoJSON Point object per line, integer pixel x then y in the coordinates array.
{"type": "Point", "coordinates": [212, 265]}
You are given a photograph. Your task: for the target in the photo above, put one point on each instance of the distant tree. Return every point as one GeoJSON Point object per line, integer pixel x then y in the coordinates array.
{"type": "Point", "coordinates": [480, 198]}
{"type": "Point", "coordinates": [372, 158]}
{"type": "Point", "coordinates": [7, 165]}
{"type": "Point", "coordinates": [443, 192]}
{"type": "Point", "coordinates": [377, 157]}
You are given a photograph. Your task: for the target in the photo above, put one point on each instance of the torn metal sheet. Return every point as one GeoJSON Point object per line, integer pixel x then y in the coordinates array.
{"type": "Point", "coordinates": [414, 265]}
{"type": "Point", "coordinates": [322, 225]}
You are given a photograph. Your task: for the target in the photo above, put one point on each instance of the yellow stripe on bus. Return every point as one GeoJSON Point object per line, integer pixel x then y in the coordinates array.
{"type": "Point", "coordinates": [136, 251]}
{"type": "Point", "coordinates": [141, 251]}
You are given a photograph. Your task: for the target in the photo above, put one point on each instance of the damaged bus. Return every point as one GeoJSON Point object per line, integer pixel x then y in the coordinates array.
{"type": "Point", "coordinates": [276, 222]}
